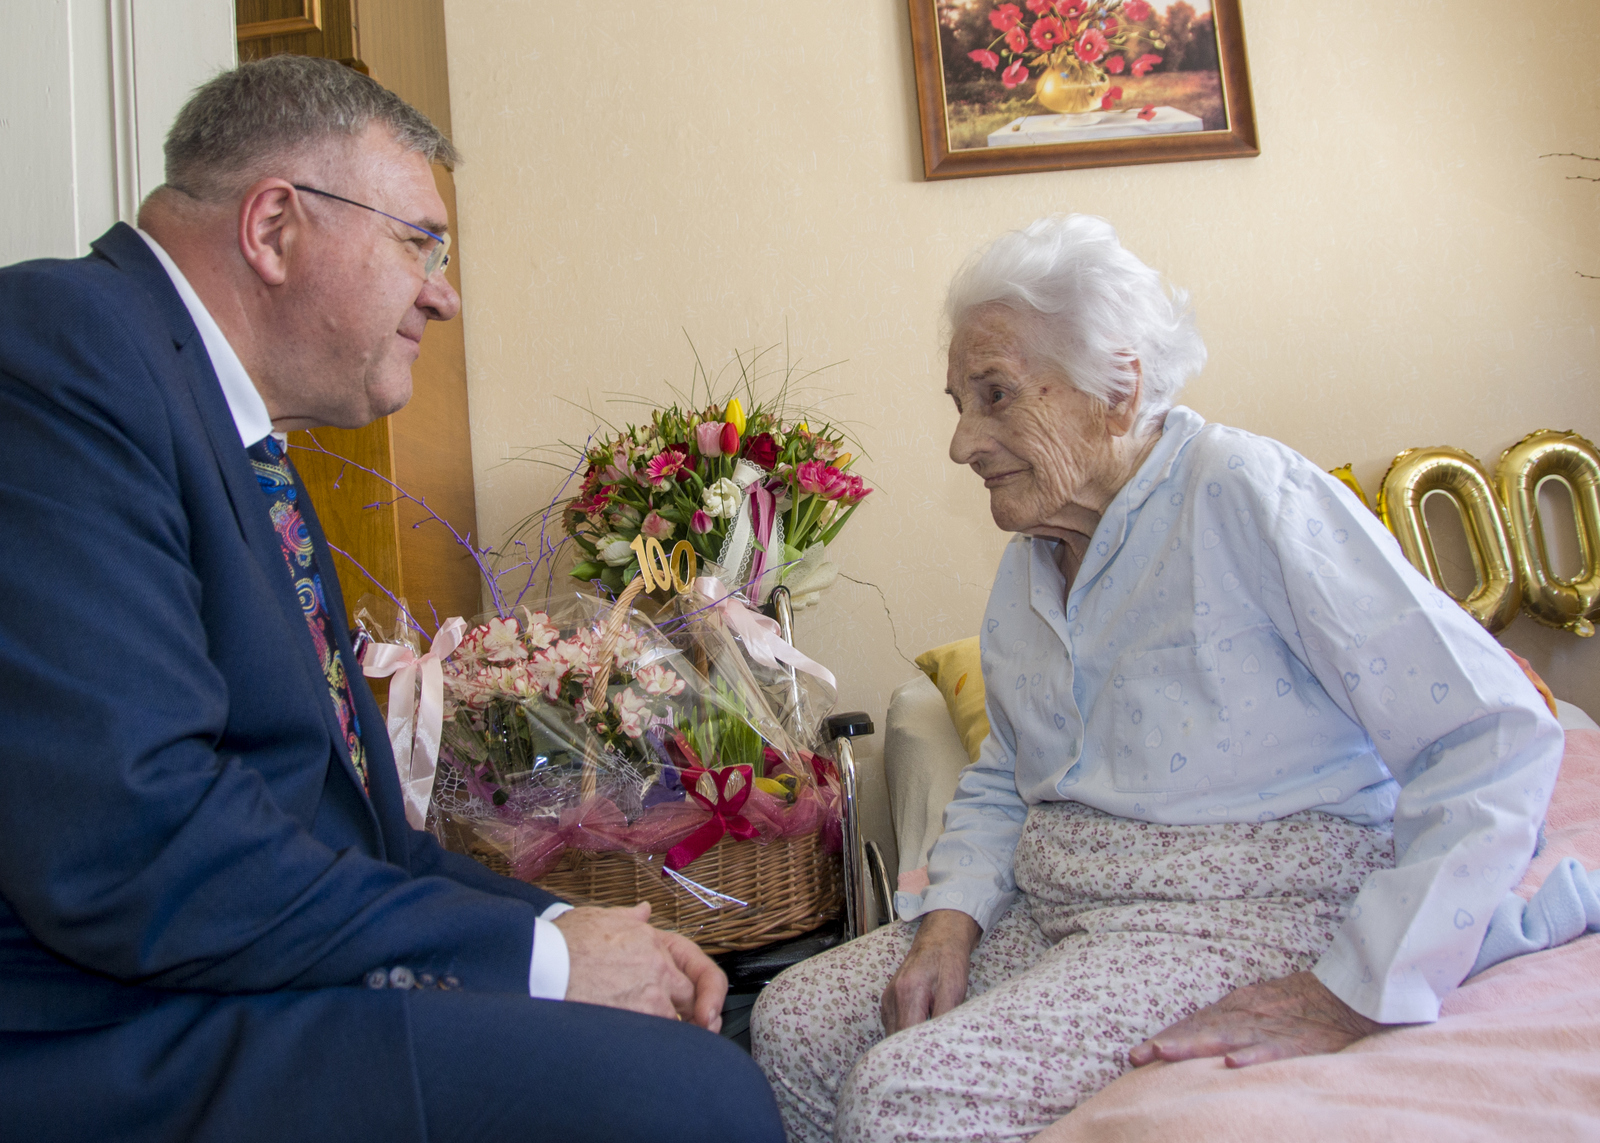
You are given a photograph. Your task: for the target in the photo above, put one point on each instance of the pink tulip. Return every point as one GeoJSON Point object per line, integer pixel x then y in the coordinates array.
{"type": "Point", "coordinates": [709, 438]}
{"type": "Point", "coordinates": [656, 527]}
{"type": "Point", "coordinates": [699, 523]}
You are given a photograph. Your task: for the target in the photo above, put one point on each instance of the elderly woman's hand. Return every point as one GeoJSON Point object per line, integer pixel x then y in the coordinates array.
{"type": "Point", "coordinates": [1274, 1020]}
{"type": "Point", "coordinates": [933, 977]}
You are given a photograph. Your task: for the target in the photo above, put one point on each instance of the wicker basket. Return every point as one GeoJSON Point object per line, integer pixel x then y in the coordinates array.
{"type": "Point", "coordinates": [791, 887]}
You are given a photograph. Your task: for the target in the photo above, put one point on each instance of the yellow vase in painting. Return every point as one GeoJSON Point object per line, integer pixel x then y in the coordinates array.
{"type": "Point", "coordinates": [1071, 87]}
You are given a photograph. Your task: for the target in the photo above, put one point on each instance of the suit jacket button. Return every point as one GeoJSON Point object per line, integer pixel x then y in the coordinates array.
{"type": "Point", "coordinates": [401, 977]}
{"type": "Point", "coordinates": [378, 978]}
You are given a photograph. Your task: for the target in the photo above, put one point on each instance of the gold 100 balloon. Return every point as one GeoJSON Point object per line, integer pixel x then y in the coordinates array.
{"type": "Point", "coordinates": [1504, 532]}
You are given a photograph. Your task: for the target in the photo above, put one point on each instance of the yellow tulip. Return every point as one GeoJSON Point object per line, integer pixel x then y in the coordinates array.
{"type": "Point", "coordinates": [843, 461]}
{"type": "Point", "coordinates": [735, 415]}
{"type": "Point", "coordinates": [805, 429]}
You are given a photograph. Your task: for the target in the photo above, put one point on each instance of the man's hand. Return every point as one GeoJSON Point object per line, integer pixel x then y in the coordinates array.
{"type": "Point", "coordinates": [1274, 1020]}
{"type": "Point", "coordinates": [618, 959]}
{"type": "Point", "coordinates": [933, 977]}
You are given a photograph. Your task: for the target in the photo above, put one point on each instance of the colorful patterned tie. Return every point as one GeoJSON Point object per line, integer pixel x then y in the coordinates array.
{"type": "Point", "coordinates": [278, 481]}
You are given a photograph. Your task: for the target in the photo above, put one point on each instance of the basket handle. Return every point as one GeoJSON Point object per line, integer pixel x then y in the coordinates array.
{"type": "Point", "coordinates": [611, 632]}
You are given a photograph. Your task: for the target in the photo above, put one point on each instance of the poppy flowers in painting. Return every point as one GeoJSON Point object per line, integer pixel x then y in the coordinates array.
{"type": "Point", "coordinates": [1071, 34]}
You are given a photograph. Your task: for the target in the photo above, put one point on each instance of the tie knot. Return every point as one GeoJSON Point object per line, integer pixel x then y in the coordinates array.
{"type": "Point", "coordinates": [266, 449]}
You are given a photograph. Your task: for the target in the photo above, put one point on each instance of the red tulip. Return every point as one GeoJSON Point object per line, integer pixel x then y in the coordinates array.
{"type": "Point", "coordinates": [730, 439]}
{"type": "Point", "coordinates": [985, 59]}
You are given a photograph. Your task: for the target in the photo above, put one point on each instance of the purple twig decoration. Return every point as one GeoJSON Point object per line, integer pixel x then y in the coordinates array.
{"type": "Point", "coordinates": [480, 556]}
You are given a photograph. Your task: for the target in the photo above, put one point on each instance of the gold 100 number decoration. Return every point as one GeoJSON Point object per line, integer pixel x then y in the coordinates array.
{"type": "Point", "coordinates": [660, 571]}
{"type": "Point", "coordinates": [1503, 529]}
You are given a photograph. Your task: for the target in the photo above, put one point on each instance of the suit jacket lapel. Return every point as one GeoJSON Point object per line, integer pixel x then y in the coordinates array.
{"type": "Point", "coordinates": [128, 252]}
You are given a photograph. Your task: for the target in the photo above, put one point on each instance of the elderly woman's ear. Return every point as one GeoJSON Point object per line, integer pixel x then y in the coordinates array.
{"type": "Point", "coordinates": [1123, 417]}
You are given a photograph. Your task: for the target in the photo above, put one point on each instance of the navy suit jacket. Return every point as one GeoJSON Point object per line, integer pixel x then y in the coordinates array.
{"type": "Point", "coordinates": [178, 812]}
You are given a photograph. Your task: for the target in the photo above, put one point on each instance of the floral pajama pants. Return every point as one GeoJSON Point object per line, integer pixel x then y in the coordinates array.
{"type": "Point", "coordinates": [1121, 928]}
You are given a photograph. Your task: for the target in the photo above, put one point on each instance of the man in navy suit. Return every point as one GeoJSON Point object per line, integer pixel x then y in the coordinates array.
{"type": "Point", "coordinates": [215, 922]}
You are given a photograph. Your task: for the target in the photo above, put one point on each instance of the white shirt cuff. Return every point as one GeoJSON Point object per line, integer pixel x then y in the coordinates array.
{"type": "Point", "coordinates": [551, 966]}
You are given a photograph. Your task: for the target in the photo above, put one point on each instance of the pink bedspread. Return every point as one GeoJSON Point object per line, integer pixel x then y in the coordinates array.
{"type": "Point", "coordinates": [1515, 1054]}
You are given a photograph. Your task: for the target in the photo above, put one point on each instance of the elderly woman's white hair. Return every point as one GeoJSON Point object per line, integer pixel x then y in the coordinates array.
{"type": "Point", "coordinates": [1098, 308]}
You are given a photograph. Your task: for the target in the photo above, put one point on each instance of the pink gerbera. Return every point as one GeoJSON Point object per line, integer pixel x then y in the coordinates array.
{"type": "Point", "coordinates": [665, 466]}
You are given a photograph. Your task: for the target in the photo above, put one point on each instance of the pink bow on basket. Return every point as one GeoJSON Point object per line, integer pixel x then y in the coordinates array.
{"type": "Point", "coordinates": [760, 634]}
{"type": "Point", "coordinates": [415, 739]}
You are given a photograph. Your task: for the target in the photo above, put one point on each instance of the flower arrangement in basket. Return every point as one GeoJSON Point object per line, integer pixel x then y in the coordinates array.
{"type": "Point", "coordinates": [575, 742]}
{"type": "Point", "coordinates": [759, 496]}
{"type": "Point", "coordinates": [1074, 46]}
{"type": "Point", "coordinates": [584, 751]}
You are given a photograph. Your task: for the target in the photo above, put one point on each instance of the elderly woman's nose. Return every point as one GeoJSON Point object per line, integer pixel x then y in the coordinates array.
{"type": "Point", "coordinates": [967, 441]}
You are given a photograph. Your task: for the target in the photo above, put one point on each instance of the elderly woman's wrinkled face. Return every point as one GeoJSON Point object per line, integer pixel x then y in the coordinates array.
{"type": "Point", "coordinates": [1041, 446]}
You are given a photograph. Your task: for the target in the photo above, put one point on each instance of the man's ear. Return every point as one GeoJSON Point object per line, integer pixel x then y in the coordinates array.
{"type": "Point", "coordinates": [1121, 417]}
{"type": "Point", "coordinates": [270, 220]}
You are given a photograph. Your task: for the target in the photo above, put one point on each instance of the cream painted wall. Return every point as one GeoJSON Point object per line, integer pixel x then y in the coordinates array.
{"type": "Point", "coordinates": [1398, 268]}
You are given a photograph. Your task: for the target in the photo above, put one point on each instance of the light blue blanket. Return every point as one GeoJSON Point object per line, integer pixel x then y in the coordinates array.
{"type": "Point", "coordinates": [1566, 907]}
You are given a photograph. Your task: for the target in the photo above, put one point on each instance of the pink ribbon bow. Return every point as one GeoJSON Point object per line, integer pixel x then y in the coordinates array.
{"type": "Point", "coordinates": [760, 634]}
{"type": "Point", "coordinates": [723, 792]}
{"type": "Point", "coordinates": [414, 728]}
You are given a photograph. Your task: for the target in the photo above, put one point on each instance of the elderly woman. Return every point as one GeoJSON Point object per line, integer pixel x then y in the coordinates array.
{"type": "Point", "coordinates": [1253, 786]}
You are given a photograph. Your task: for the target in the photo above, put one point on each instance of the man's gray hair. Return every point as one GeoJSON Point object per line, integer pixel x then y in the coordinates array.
{"type": "Point", "coordinates": [1097, 308]}
{"type": "Point", "coordinates": [233, 124]}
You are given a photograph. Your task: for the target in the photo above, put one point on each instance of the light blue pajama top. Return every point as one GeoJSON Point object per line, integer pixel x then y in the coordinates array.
{"type": "Point", "coordinates": [1244, 640]}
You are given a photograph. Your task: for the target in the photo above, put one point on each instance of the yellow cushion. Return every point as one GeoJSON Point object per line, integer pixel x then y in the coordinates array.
{"type": "Point", "coordinates": [955, 670]}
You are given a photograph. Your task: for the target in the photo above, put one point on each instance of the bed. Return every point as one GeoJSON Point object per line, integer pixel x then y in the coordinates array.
{"type": "Point", "coordinates": [1516, 1053]}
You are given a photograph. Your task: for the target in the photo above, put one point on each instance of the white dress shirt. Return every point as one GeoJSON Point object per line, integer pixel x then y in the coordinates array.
{"type": "Point", "coordinates": [1244, 640]}
{"type": "Point", "coordinates": [550, 967]}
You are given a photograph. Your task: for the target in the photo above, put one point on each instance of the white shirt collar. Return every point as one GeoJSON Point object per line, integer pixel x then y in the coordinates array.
{"type": "Point", "coordinates": [249, 411]}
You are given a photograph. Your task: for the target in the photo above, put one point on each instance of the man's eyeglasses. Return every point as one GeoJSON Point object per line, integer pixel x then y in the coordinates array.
{"type": "Point", "coordinates": [438, 256]}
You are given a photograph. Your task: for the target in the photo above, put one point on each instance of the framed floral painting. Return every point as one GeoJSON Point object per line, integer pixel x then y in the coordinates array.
{"type": "Point", "coordinates": [1005, 86]}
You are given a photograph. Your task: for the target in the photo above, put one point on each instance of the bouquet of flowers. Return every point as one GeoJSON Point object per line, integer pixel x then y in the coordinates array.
{"type": "Point", "coordinates": [1074, 46]}
{"type": "Point", "coordinates": [756, 494]}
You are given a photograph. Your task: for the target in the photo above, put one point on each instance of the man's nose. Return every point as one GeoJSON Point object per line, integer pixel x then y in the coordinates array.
{"type": "Point", "coordinates": [439, 299]}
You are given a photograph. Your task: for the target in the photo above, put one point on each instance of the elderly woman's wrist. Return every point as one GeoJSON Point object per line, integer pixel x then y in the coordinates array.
{"type": "Point", "coordinates": [950, 926]}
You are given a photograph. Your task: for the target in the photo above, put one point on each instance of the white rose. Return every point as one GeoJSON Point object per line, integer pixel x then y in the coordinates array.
{"type": "Point", "coordinates": [721, 499]}
{"type": "Point", "coordinates": [615, 551]}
